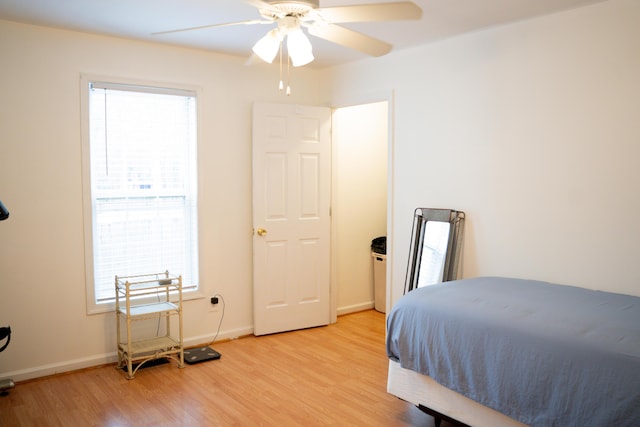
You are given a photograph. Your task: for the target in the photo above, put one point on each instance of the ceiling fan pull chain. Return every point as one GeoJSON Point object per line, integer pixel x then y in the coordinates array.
{"type": "Point", "coordinates": [281, 86]}
{"type": "Point", "coordinates": [288, 73]}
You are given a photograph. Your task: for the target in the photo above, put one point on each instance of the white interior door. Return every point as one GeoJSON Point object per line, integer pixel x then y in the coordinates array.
{"type": "Point", "coordinates": [291, 218]}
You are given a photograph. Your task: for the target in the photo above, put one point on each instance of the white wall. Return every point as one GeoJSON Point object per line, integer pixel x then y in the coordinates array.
{"type": "Point", "coordinates": [42, 285]}
{"type": "Point", "coordinates": [359, 209]}
{"type": "Point", "coordinates": [531, 128]}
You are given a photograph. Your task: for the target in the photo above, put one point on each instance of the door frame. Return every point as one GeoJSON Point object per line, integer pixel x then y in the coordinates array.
{"type": "Point", "coordinates": [350, 101]}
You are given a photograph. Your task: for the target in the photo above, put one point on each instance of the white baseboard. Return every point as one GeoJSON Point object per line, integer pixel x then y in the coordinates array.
{"type": "Point", "coordinates": [58, 368]}
{"type": "Point", "coordinates": [355, 308]}
{"type": "Point", "coordinates": [223, 336]}
{"type": "Point", "coordinates": [108, 358]}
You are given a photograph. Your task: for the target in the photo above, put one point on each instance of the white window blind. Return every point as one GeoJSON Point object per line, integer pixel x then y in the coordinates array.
{"type": "Point", "coordinates": [143, 183]}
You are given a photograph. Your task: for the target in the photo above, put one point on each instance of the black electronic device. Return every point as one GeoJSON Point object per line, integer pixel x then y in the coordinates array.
{"type": "Point", "coordinates": [6, 384]}
{"type": "Point", "coordinates": [5, 332]}
{"type": "Point", "coordinates": [200, 354]}
{"type": "Point", "coordinates": [147, 363]}
{"type": "Point", "coordinates": [4, 213]}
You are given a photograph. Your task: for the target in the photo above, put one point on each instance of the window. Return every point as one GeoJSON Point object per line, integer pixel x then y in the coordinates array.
{"type": "Point", "coordinates": [140, 185]}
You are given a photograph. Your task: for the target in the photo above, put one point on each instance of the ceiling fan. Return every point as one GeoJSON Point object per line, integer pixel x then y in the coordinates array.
{"type": "Point", "coordinates": [291, 16]}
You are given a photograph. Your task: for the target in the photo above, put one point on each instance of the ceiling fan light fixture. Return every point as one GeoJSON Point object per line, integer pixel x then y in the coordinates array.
{"type": "Point", "coordinates": [299, 48]}
{"type": "Point", "coordinates": [267, 47]}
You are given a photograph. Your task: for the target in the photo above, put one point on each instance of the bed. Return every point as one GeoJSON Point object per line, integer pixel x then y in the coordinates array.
{"type": "Point", "coordinates": [496, 351]}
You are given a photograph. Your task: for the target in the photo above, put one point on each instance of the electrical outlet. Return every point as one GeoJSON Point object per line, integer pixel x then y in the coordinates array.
{"type": "Point", "coordinates": [214, 304]}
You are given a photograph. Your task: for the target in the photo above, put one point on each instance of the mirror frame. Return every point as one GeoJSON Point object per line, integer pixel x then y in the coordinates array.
{"type": "Point", "coordinates": [454, 246]}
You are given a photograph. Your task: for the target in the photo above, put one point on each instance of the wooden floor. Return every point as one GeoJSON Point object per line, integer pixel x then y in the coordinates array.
{"type": "Point", "coordinates": [333, 375]}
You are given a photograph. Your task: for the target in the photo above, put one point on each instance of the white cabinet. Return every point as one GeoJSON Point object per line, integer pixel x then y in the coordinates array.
{"type": "Point", "coordinates": [147, 297]}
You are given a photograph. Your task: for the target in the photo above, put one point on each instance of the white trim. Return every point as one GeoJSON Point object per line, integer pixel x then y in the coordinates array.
{"type": "Point", "coordinates": [111, 357]}
{"type": "Point", "coordinates": [363, 99]}
{"type": "Point", "coordinates": [147, 88]}
{"type": "Point", "coordinates": [92, 307]}
{"type": "Point", "coordinates": [65, 366]}
{"type": "Point", "coordinates": [231, 334]}
{"type": "Point", "coordinates": [114, 80]}
{"type": "Point", "coordinates": [355, 308]}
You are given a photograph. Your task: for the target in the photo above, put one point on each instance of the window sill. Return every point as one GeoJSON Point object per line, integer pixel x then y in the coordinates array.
{"type": "Point", "coordinates": [108, 307]}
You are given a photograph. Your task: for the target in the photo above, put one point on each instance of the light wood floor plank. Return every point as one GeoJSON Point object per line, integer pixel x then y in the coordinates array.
{"type": "Point", "coordinates": [327, 376]}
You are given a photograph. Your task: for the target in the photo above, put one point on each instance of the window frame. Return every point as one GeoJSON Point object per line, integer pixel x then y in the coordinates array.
{"type": "Point", "coordinates": [92, 306]}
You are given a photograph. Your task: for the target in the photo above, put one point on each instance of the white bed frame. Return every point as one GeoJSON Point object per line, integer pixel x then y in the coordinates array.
{"type": "Point", "coordinates": [424, 392]}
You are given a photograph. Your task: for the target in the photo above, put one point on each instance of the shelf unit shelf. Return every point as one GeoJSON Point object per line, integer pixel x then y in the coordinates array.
{"type": "Point", "coordinates": [149, 310]}
{"type": "Point", "coordinates": [145, 297]}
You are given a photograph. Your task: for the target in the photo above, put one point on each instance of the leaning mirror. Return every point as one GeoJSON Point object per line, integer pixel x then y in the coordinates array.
{"type": "Point", "coordinates": [434, 254]}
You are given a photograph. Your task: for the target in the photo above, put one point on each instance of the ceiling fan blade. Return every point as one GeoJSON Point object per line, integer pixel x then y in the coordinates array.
{"type": "Point", "coordinates": [259, 4]}
{"type": "Point", "coordinates": [370, 12]}
{"type": "Point", "coordinates": [350, 38]}
{"type": "Point", "coordinates": [202, 27]}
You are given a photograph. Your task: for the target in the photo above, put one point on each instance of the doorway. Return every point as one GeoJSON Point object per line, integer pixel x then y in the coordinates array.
{"type": "Point", "coordinates": [359, 200]}
{"type": "Point", "coordinates": [360, 152]}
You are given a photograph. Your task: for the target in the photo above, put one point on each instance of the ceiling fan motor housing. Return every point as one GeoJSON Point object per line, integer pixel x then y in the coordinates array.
{"type": "Point", "coordinates": [294, 8]}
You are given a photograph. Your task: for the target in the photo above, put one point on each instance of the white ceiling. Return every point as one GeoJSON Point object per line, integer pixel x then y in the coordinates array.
{"type": "Point", "coordinates": [137, 19]}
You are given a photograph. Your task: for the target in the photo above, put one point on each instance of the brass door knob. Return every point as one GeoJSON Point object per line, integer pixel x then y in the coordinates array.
{"type": "Point", "coordinates": [261, 232]}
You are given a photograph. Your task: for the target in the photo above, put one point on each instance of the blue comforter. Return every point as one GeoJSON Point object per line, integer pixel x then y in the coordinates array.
{"type": "Point", "coordinates": [543, 354]}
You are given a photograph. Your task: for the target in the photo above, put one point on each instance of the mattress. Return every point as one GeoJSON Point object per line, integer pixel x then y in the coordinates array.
{"type": "Point", "coordinates": [540, 353]}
